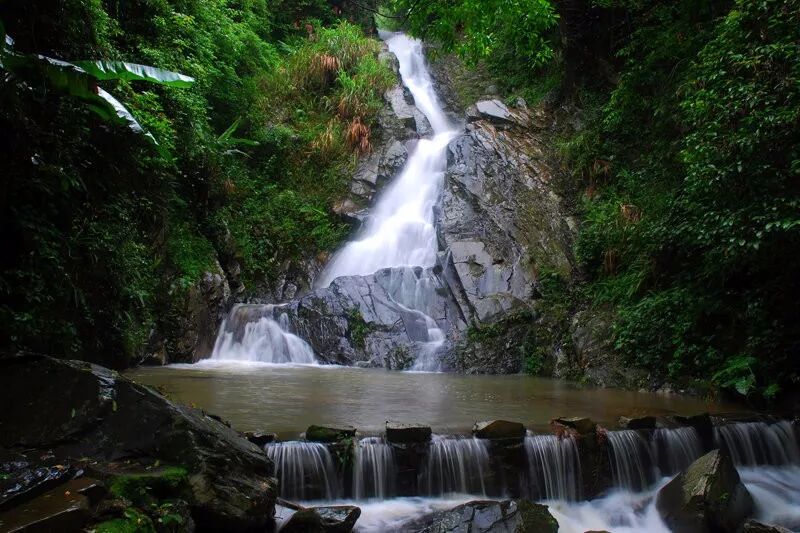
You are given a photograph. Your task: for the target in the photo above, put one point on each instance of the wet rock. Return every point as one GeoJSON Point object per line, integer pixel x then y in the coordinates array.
{"type": "Point", "coordinates": [333, 519]}
{"type": "Point", "coordinates": [580, 424]}
{"type": "Point", "coordinates": [259, 438]}
{"type": "Point", "coordinates": [407, 433]}
{"type": "Point", "coordinates": [401, 109]}
{"type": "Point", "coordinates": [706, 497]}
{"type": "Point", "coordinates": [499, 429]}
{"type": "Point", "coordinates": [754, 526]}
{"type": "Point", "coordinates": [55, 510]}
{"type": "Point", "coordinates": [519, 516]}
{"type": "Point", "coordinates": [493, 110]}
{"type": "Point", "coordinates": [22, 479]}
{"type": "Point", "coordinates": [94, 412]}
{"type": "Point", "coordinates": [329, 433]}
{"type": "Point", "coordinates": [638, 422]}
{"type": "Point", "coordinates": [392, 161]}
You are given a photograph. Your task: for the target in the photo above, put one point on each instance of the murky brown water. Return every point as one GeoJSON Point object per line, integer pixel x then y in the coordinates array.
{"type": "Point", "coordinates": [286, 400]}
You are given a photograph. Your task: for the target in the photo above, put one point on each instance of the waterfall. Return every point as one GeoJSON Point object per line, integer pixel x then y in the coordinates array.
{"type": "Point", "coordinates": [374, 471]}
{"type": "Point", "coordinates": [758, 443]}
{"type": "Point", "coordinates": [675, 449]}
{"type": "Point", "coordinates": [304, 469]}
{"type": "Point", "coordinates": [554, 468]}
{"type": "Point", "coordinates": [400, 230]}
{"type": "Point", "coordinates": [632, 466]}
{"type": "Point", "coordinates": [252, 333]}
{"type": "Point", "coordinates": [455, 465]}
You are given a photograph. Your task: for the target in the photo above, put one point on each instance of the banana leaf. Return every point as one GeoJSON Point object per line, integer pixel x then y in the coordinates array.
{"type": "Point", "coordinates": [119, 70]}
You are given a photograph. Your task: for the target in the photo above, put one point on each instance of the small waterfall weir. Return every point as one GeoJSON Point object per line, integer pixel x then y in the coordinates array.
{"type": "Point", "coordinates": [455, 465]}
{"type": "Point", "coordinates": [305, 469]}
{"type": "Point", "coordinates": [554, 468]}
{"type": "Point", "coordinates": [374, 471]}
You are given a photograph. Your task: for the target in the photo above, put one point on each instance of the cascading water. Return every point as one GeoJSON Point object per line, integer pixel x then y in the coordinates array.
{"type": "Point", "coordinates": [305, 470]}
{"type": "Point", "coordinates": [758, 443]}
{"type": "Point", "coordinates": [400, 230]}
{"type": "Point", "coordinates": [632, 466]}
{"type": "Point", "coordinates": [252, 333]}
{"type": "Point", "coordinates": [554, 468]}
{"type": "Point", "coordinates": [374, 470]}
{"type": "Point", "coordinates": [455, 465]}
{"type": "Point", "coordinates": [675, 449]}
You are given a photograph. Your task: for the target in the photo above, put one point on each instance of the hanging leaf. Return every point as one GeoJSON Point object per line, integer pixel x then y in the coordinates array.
{"type": "Point", "coordinates": [119, 70]}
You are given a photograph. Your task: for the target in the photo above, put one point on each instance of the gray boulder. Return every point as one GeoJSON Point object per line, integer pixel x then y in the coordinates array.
{"type": "Point", "coordinates": [707, 497]}
{"type": "Point", "coordinates": [333, 519]}
{"type": "Point", "coordinates": [510, 516]}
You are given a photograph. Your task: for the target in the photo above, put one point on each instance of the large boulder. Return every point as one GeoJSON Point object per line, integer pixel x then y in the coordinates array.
{"type": "Point", "coordinates": [333, 519]}
{"type": "Point", "coordinates": [707, 497]}
{"type": "Point", "coordinates": [517, 516]}
{"type": "Point", "coordinates": [78, 410]}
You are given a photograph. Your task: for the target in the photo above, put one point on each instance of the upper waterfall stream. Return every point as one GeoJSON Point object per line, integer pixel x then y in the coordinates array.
{"type": "Point", "coordinates": [399, 232]}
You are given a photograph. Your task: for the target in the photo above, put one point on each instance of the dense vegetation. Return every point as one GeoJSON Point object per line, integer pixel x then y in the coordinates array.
{"type": "Point", "coordinates": [689, 164]}
{"type": "Point", "coordinates": [102, 233]}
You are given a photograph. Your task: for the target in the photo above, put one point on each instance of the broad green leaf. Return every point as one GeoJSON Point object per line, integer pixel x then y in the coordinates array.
{"type": "Point", "coordinates": [116, 112]}
{"type": "Point", "coordinates": [119, 70]}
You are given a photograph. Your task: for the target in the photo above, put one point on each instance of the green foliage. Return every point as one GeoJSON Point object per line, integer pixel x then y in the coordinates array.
{"type": "Point", "coordinates": [510, 33]}
{"type": "Point", "coordinates": [134, 521]}
{"type": "Point", "coordinates": [692, 193]}
{"type": "Point", "coordinates": [102, 235]}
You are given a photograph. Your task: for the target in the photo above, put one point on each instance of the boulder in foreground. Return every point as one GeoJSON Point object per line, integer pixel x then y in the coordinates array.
{"type": "Point", "coordinates": [78, 410]}
{"type": "Point", "coordinates": [707, 497]}
{"type": "Point", "coordinates": [333, 519]}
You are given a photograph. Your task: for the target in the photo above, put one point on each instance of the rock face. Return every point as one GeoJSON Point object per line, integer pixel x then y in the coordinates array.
{"type": "Point", "coordinates": [190, 335]}
{"type": "Point", "coordinates": [707, 497]}
{"type": "Point", "coordinates": [517, 516]}
{"type": "Point", "coordinates": [94, 412]}
{"type": "Point", "coordinates": [376, 320]}
{"type": "Point", "coordinates": [500, 219]}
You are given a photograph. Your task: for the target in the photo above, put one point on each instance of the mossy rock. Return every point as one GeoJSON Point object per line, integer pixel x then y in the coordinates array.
{"type": "Point", "coordinates": [534, 518]}
{"type": "Point", "coordinates": [148, 487]}
{"type": "Point", "coordinates": [316, 433]}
